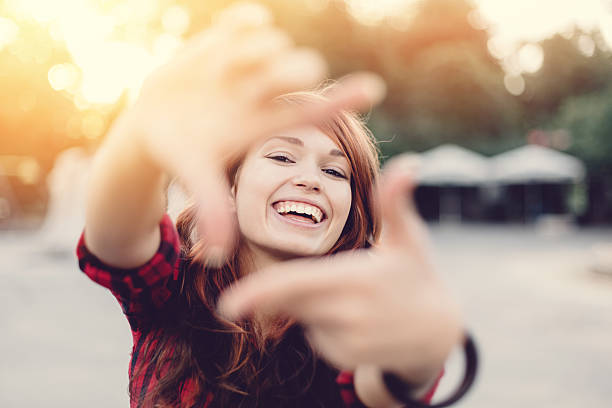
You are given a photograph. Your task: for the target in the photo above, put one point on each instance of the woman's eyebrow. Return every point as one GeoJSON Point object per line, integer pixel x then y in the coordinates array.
{"type": "Point", "coordinates": [299, 142]}
{"type": "Point", "coordinates": [292, 140]}
{"type": "Point", "coordinates": [336, 152]}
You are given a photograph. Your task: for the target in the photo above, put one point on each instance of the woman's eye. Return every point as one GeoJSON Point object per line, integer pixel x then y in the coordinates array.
{"type": "Point", "coordinates": [281, 158]}
{"type": "Point", "coordinates": [334, 173]}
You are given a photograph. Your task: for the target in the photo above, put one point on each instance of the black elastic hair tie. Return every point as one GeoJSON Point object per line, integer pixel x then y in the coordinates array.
{"type": "Point", "coordinates": [402, 391]}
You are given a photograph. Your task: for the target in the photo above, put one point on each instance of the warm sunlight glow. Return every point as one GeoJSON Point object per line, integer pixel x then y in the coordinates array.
{"type": "Point", "coordinates": [105, 64]}
{"type": "Point", "coordinates": [530, 57]}
{"type": "Point", "coordinates": [113, 45]}
{"type": "Point", "coordinates": [110, 68]}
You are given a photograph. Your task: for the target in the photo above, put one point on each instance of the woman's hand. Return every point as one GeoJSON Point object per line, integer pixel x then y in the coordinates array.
{"type": "Point", "coordinates": [213, 99]}
{"type": "Point", "coordinates": [384, 307]}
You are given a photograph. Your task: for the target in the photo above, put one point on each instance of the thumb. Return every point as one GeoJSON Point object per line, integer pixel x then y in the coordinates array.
{"type": "Point", "coordinates": [216, 223]}
{"type": "Point", "coordinates": [402, 225]}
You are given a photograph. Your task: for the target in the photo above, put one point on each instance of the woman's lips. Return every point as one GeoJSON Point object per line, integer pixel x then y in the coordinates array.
{"type": "Point", "coordinates": [294, 221]}
{"type": "Point", "coordinates": [298, 218]}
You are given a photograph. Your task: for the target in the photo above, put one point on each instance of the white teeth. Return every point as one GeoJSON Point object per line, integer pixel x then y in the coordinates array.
{"type": "Point", "coordinates": [300, 208]}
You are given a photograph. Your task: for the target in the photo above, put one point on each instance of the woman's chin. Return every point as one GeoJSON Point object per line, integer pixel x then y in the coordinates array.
{"type": "Point", "coordinates": [291, 250]}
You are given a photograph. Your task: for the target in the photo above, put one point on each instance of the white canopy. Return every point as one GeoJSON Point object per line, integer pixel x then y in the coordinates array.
{"type": "Point", "coordinates": [532, 163]}
{"type": "Point", "coordinates": [450, 164]}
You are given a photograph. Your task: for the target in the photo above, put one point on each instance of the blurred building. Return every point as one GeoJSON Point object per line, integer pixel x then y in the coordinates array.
{"type": "Point", "coordinates": [524, 184]}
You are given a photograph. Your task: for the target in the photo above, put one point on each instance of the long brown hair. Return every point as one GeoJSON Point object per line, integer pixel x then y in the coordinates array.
{"type": "Point", "coordinates": [232, 360]}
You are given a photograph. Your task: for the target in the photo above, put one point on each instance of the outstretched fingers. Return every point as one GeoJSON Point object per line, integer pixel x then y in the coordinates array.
{"type": "Point", "coordinates": [357, 92]}
{"type": "Point", "coordinates": [216, 225]}
{"type": "Point", "coordinates": [300, 289]}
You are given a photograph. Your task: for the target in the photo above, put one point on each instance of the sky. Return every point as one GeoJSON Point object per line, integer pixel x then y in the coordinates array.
{"type": "Point", "coordinates": [533, 20]}
{"type": "Point", "coordinates": [512, 21]}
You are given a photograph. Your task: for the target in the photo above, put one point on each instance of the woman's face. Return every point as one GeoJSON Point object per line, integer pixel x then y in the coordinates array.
{"type": "Point", "coordinates": [293, 194]}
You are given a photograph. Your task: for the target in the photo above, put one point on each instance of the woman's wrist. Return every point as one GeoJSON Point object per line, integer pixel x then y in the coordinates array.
{"type": "Point", "coordinates": [404, 392]}
{"type": "Point", "coordinates": [372, 391]}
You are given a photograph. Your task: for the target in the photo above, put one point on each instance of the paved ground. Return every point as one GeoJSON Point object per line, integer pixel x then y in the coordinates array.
{"type": "Point", "coordinates": [542, 318]}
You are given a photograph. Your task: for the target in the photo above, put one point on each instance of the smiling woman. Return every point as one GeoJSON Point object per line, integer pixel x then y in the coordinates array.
{"type": "Point", "coordinates": [303, 171]}
{"type": "Point", "coordinates": [309, 172]}
{"type": "Point", "coordinates": [258, 296]}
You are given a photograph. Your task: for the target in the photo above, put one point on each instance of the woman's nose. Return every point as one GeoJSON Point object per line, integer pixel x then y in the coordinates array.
{"type": "Point", "coordinates": [308, 180]}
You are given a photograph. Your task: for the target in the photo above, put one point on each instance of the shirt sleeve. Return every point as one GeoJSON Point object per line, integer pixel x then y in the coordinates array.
{"type": "Point", "coordinates": [349, 395]}
{"type": "Point", "coordinates": [142, 290]}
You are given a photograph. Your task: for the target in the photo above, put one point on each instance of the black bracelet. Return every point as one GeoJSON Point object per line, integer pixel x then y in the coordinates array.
{"type": "Point", "coordinates": [402, 391]}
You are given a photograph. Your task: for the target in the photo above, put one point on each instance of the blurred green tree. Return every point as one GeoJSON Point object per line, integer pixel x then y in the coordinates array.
{"type": "Point", "coordinates": [570, 68]}
{"type": "Point", "coordinates": [589, 120]}
{"type": "Point", "coordinates": [443, 85]}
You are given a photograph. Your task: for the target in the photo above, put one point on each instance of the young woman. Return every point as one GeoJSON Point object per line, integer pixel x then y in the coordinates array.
{"type": "Point", "coordinates": [274, 288]}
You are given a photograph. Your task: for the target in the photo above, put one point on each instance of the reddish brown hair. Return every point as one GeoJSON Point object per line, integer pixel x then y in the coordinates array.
{"type": "Point", "coordinates": [245, 366]}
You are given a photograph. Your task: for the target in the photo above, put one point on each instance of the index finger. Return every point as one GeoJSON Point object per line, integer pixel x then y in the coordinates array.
{"type": "Point", "coordinates": [356, 92]}
{"type": "Point", "coordinates": [282, 288]}
{"type": "Point", "coordinates": [403, 227]}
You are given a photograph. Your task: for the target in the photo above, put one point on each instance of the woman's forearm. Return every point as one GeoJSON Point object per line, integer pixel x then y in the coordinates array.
{"type": "Point", "coordinates": [125, 200]}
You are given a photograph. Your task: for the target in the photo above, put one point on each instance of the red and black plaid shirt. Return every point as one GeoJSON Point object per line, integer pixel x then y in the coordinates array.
{"type": "Point", "coordinates": [147, 288]}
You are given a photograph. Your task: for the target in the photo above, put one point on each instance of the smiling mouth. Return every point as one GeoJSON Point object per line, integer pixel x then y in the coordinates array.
{"type": "Point", "coordinates": [299, 211]}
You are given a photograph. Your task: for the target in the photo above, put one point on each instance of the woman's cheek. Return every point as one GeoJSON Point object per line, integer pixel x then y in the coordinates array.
{"type": "Point", "coordinates": [342, 203]}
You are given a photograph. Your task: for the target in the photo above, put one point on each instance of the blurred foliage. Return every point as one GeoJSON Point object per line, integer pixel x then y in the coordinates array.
{"type": "Point", "coordinates": [566, 72]}
{"type": "Point", "coordinates": [589, 119]}
{"type": "Point", "coordinates": [573, 91]}
{"type": "Point", "coordinates": [443, 85]}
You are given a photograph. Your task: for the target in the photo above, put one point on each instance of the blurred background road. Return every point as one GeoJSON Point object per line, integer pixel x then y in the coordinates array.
{"type": "Point", "coordinates": [543, 321]}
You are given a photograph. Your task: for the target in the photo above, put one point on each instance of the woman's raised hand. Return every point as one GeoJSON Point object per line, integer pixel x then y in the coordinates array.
{"type": "Point", "coordinates": [214, 98]}
{"type": "Point", "coordinates": [384, 306]}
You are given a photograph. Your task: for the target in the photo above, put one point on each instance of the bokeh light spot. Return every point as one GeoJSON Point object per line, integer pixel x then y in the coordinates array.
{"type": "Point", "coordinates": [586, 45]}
{"type": "Point", "coordinates": [8, 32]}
{"type": "Point", "coordinates": [531, 57]}
{"type": "Point", "coordinates": [28, 171]}
{"type": "Point", "coordinates": [373, 12]}
{"type": "Point", "coordinates": [63, 76]}
{"type": "Point", "coordinates": [92, 125]}
{"type": "Point", "coordinates": [515, 84]}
